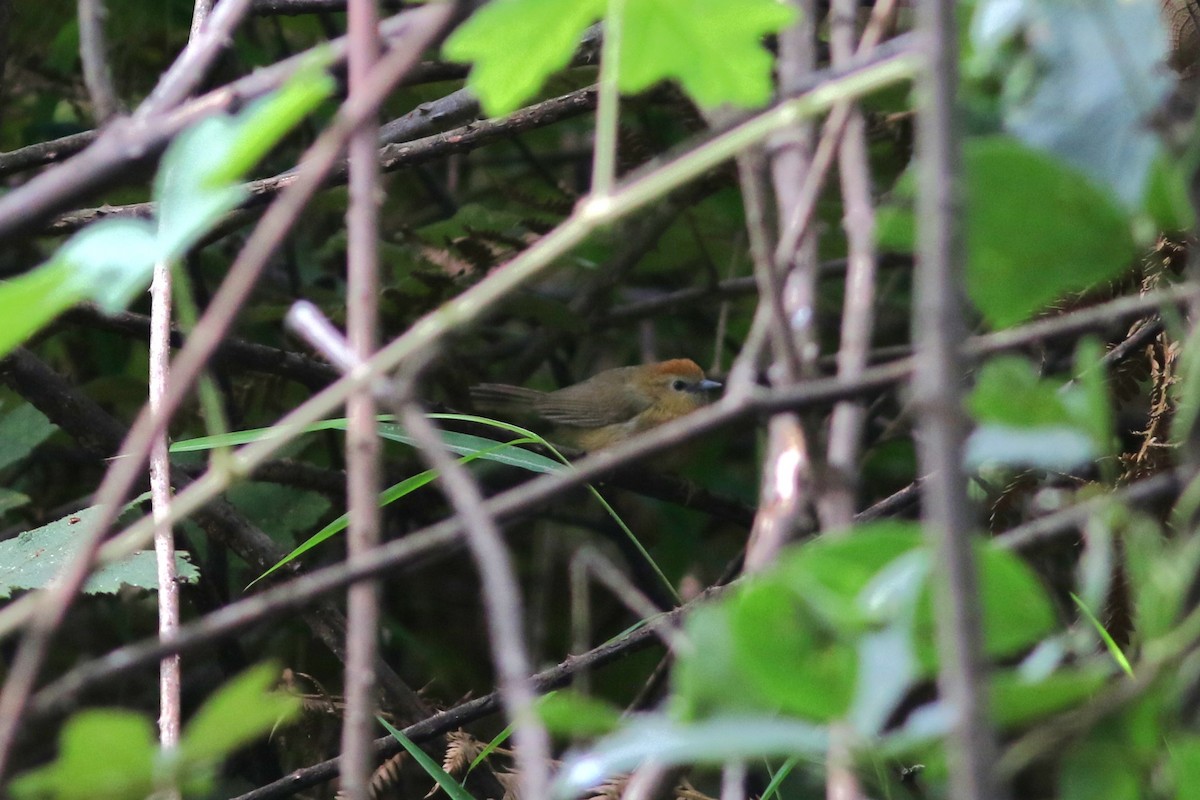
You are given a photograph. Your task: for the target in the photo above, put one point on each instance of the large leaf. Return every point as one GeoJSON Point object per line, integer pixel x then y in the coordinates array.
{"type": "Point", "coordinates": [105, 754]}
{"type": "Point", "coordinates": [243, 709]}
{"type": "Point", "coordinates": [34, 558]}
{"type": "Point", "coordinates": [1086, 78]}
{"type": "Point", "coordinates": [1037, 229]}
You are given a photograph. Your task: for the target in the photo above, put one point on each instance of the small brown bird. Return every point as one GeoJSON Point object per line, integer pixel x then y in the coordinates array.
{"type": "Point", "coordinates": [610, 406]}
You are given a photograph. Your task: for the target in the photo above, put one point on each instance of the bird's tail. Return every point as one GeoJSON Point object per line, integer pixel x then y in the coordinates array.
{"type": "Point", "coordinates": [502, 397]}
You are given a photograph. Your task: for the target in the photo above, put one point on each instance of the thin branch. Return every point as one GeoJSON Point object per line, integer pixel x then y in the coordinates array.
{"type": "Point", "coordinates": [941, 420]}
{"type": "Point", "coordinates": [93, 53]}
{"type": "Point", "coordinates": [170, 718]}
{"type": "Point", "coordinates": [362, 439]}
{"type": "Point", "coordinates": [502, 601]}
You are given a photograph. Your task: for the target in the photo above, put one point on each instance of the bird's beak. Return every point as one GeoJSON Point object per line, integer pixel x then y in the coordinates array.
{"type": "Point", "coordinates": [707, 386]}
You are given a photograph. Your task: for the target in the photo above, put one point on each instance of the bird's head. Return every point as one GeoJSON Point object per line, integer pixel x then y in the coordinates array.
{"type": "Point", "coordinates": [674, 388]}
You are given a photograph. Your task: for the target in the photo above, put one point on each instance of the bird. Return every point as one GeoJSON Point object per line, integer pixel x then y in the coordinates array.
{"type": "Point", "coordinates": [611, 406]}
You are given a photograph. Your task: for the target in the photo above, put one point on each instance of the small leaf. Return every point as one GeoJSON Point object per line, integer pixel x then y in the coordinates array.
{"type": "Point", "coordinates": [568, 713]}
{"type": "Point", "coordinates": [104, 754]}
{"type": "Point", "coordinates": [109, 263]}
{"type": "Point", "coordinates": [1094, 768]}
{"type": "Point", "coordinates": [666, 743]}
{"type": "Point", "coordinates": [21, 430]}
{"type": "Point", "coordinates": [244, 709]}
{"type": "Point", "coordinates": [714, 48]}
{"type": "Point", "coordinates": [515, 45]}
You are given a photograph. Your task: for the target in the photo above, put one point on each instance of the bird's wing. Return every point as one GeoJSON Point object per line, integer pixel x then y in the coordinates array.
{"type": "Point", "coordinates": [580, 406]}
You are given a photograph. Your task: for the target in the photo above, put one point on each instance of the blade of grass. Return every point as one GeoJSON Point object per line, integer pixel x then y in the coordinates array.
{"type": "Point", "coordinates": [389, 495]}
{"type": "Point", "coordinates": [451, 787]}
{"type": "Point", "coordinates": [1105, 637]}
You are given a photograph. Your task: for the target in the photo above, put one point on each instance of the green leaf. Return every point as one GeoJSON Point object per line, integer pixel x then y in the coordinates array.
{"type": "Point", "coordinates": [109, 263]}
{"type": "Point", "coordinates": [35, 557]}
{"type": "Point", "coordinates": [516, 44]}
{"type": "Point", "coordinates": [1036, 230]}
{"type": "Point", "coordinates": [197, 178]}
{"type": "Point", "coordinates": [265, 122]}
{"type": "Point", "coordinates": [1015, 609]}
{"type": "Point", "coordinates": [794, 662]}
{"type": "Point", "coordinates": [1160, 571]}
{"type": "Point", "coordinates": [103, 755]}
{"type": "Point", "coordinates": [714, 48]}
{"type": "Point", "coordinates": [451, 787]}
{"type": "Point", "coordinates": [1095, 769]}
{"type": "Point", "coordinates": [244, 709]}
{"type": "Point", "coordinates": [279, 510]}
{"type": "Point", "coordinates": [1183, 758]}
{"type": "Point", "coordinates": [1080, 81]}
{"type": "Point", "coordinates": [189, 200]}
{"type": "Point", "coordinates": [21, 430]}
{"type": "Point", "coordinates": [702, 675]}
{"type": "Point", "coordinates": [1014, 700]}
{"type": "Point", "coordinates": [1031, 421]}
{"type": "Point", "coordinates": [569, 713]}
{"type": "Point", "coordinates": [666, 743]}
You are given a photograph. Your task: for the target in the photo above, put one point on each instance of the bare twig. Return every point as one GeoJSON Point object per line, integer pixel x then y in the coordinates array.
{"type": "Point", "coordinates": [937, 396]}
{"type": "Point", "coordinates": [501, 597]}
{"type": "Point", "coordinates": [362, 439]}
{"type": "Point", "coordinates": [93, 53]}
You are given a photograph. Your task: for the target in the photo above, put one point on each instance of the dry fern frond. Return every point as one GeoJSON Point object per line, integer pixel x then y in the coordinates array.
{"type": "Point", "coordinates": [461, 750]}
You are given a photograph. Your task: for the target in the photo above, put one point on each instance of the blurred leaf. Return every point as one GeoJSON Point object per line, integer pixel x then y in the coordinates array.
{"type": "Point", "coordinates": [1183, 758]}
{"type": "Point", "coordinates": [1014, 700]}
{"type": "Point", "coordinates": [35, 557]}
{"type": "Point", "coordinates": [1086, 78]}
{"type": "Point", "coordinates": [700, 678]}
{"type": "Point", "coordinates": [1098, 769]}
{"type": "Point", "coordinates": [1036, 229]}
{"type": "Point", "coordinates": [244, 709]}
{"type": "Point", "coordinates": [657, 739]}
{"type": "Point", "coordinates": [568, 713]}
{"type": "Point", "coordinates": [1015, 610]}
{"type": "Point", "coordinates": [21, 430]}
{"type": "Point", "coordinates": [197, 178]}
{"type": "Point", "coordinates": [1160, 571]}
{"type": "Point", "coordinates": [515, 45]}
{"type": "Point", "coordinates": [10, 500]}
{"type": "Point", "coordinates": [108, 263]}
{"type": "Point", "coordinates": [453, 789]}
{"type": "Point", "coordinates": [714, 48]}
{"type": "Point", "coordinates": [279, 510]}
{"type": "Point", "coordinates": [1027, 420]}
{"type": "Point", "coordinates": [1167, 196]}
{"type": "Point", "coordinates": [104, 754]}
{"type": "Point", "coordinates": [795, 663]}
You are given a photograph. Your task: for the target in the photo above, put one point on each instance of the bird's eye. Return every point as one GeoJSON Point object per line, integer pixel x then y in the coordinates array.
{"type": "Point", "coordinates": [678, 385]}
